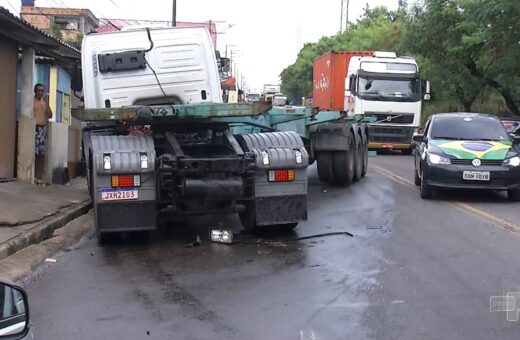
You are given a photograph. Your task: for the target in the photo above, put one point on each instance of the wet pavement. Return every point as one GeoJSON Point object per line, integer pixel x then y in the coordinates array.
{"type": "Point", "coordinates": [413, 269]}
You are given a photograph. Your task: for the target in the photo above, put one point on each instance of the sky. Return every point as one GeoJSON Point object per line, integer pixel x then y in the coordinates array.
{"type": "Point", "coordinates": [266, 34]}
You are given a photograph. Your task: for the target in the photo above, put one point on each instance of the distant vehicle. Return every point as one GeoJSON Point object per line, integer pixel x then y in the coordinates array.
{"type": "Point", "coordinates": [512, 124]}
{"type": "Point", "coordinates": [253, 95]}
{"type": "Point", "coordinates": [306, 101]}
{"type": "Point", "coordinates": [377, 85]}
{"type": "Point", "coordinates": [270, 90]}
{"type": "Point", "coordinates": [279, 99]}
{"type": "Point", "coordinates": [467, 150]}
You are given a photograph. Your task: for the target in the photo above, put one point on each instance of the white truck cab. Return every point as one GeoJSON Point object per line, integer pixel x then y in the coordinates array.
{"type": "Point", "coordinates": [150, 66]}
{"type": "Point", "coordinates": [388, 89]}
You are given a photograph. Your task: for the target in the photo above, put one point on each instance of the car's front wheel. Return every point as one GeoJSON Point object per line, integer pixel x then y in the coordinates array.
{"type": "Point", "coordinates": [513, 195]}
{"type": "Point", "coordinates": [426, 190]}
{"type": "Point", "coordinates": [416, 178]}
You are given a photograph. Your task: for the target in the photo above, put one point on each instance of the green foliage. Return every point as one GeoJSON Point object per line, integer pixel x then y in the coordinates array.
{"type": "Point", "coordinates": [55, 31]}
{"type": "Point", "coordinates": [378, 29]}
{"type": "Point", "coordinates": [468, 49]}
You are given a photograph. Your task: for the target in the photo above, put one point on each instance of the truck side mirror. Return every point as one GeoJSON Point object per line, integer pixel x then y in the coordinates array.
{"type": "Point", "coordinates": [352, 84]}
{"type": "Point", "coordinates": [427, 95]}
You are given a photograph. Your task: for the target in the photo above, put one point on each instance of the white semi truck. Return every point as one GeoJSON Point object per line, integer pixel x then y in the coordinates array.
{"type": "Point", "coordinates": [388, 89]}
{"type": "Point", "coordinates": [380, 86]}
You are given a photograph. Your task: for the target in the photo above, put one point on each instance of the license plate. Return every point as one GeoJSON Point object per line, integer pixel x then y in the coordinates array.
{"type": "Point", "coordinates": [387, 146]}
{"type": "Point", "coordinates": [476, 175]}
{"type": "Point", "coordinates": [119, 195]}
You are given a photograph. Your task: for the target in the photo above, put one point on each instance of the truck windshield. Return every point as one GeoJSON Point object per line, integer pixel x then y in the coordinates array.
{"type": "Point", "coordinates": [391, 89]}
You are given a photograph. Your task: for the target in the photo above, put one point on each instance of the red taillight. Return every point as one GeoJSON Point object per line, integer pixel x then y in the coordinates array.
{"type": "Point", "coordinates": [281, 175]}
{"type": "Point", "coordinates": [126, 181]}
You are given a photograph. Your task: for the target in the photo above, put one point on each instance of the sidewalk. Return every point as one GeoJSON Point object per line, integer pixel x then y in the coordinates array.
{"type": "Point", "coordinates": [30, 213]}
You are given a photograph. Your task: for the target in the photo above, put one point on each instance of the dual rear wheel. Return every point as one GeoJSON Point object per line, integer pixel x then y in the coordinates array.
{"type": "Point", "coordinates": [344, 166]}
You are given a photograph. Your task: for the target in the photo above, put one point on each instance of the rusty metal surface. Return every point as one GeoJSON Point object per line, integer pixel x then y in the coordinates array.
{"type": "Point", "coordinates": [199, 111]}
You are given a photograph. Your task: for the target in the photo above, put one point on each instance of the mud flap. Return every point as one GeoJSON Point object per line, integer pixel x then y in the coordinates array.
{"type": "Point", "coordinates": [276, 202]}
{"type": "Point", "coordinates": [128, 208]}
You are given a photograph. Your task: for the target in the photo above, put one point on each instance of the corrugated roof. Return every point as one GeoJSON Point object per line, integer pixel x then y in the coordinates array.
{"type": "Point", "coordinates": [47, 42]}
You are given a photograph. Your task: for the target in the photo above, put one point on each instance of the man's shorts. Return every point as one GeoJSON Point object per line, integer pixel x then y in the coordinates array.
{"type": "Point", "coordinates": [41, 134]}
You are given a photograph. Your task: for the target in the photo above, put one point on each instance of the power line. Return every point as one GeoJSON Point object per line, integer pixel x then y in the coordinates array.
{"type": "Point", "coordinates": [61, 4]}
{"type": "Point", "coordinates": [11, 5]}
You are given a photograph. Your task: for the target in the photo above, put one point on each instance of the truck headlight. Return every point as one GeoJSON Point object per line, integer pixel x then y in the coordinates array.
{"type": "Point", "coordinates": [107, 161]}
{"type": "Point", "coordinates": [513, 161]}
{"type": "Point", "coordinates": [436, 159]}
{"type": "Point", "coordinates": [221, 236]}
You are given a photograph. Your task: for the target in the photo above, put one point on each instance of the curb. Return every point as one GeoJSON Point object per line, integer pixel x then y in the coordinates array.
{"type": "Point", "coordinates": [22, 263]}
{"type": "Point", "coordinates": [43, 230]}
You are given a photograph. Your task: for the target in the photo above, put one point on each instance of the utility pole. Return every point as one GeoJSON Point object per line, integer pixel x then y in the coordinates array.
{"type": "Point", "coordinates": [174, 13]}
{"type": "Point", "coordinates": [346, 19]}
{"type": "Point", "coordinates": [341, 18]}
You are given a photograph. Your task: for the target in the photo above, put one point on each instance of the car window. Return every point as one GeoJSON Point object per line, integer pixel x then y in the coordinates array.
{"type": "Point", "coordinates": [468, 128]}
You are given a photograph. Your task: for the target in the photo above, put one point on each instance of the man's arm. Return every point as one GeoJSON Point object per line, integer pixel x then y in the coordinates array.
{"type": "Point", "coordinates": [48, 110]}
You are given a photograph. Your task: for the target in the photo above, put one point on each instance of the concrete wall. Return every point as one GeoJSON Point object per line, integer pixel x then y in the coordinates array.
{"type": "Point", "coordinates": [56, 151]}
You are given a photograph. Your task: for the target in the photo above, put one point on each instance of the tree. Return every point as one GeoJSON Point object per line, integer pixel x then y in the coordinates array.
{"type": "Point", "coordinates": [466, 46]}
{"type": "Point", "coordinates": [378, 29]}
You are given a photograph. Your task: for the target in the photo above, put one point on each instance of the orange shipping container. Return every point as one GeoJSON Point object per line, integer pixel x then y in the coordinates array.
{"type": "Point", "coordinates": [329, 73]}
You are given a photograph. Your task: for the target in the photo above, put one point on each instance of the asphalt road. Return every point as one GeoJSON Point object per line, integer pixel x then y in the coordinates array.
{"type": "Point", "coordinates": [414, 269]}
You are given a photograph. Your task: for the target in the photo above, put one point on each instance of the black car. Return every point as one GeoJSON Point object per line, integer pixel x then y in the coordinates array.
{"type": "Point", "coordinates": [467, 150]}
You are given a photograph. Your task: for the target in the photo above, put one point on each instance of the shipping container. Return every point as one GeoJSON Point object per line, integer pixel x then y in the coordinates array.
{"type": "Point", "coordinates": [329, 73]}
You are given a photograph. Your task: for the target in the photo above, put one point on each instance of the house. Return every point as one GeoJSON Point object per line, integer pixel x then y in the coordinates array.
{"type": "Point", "coordinates": [24, 53]}
{"type": "Point", "coordinates": [68, 24]}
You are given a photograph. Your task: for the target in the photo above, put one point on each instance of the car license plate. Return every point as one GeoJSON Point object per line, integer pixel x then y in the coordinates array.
{"type": "Point", "coordinates": [476, 175]}
{"type": "Point", "coordinates": [119, 195]}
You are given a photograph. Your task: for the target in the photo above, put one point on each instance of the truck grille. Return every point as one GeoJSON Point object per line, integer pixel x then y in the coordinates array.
{"type": "Point", "coordinates": [489, 162]}
{"type": "Point", "coordinates": [390, 134]}
{"type": "Point", "coordinates": [391, 118]}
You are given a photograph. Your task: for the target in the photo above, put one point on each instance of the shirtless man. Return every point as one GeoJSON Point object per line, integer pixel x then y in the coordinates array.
{"type": "Point", "coordinates": [42, 112]}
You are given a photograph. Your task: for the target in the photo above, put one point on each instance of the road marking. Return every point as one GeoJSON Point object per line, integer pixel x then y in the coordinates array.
{"type": "Point", "coordinates": [467, 208]}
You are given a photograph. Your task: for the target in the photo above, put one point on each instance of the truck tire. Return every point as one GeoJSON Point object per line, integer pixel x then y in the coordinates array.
{"type": "Point", "coordinates": [365, 159]}
{"type": "Point", "coordinates": [344, 163]}
{"type": "Point", "coordinates": [358, 161]}
{"type": "Point", "coordinates": [325, 170]}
